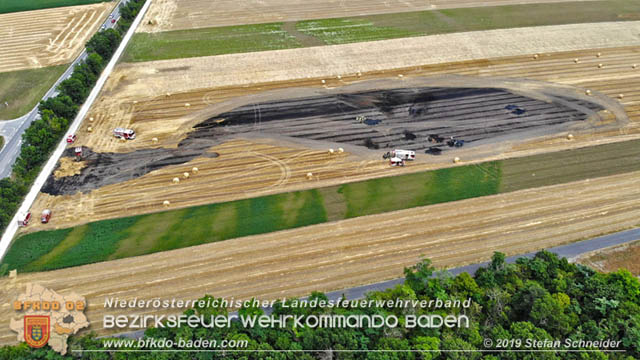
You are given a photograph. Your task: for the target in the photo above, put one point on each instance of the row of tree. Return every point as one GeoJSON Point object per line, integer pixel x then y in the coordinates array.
{"type": "Point", "coordinates": [57, 112]}
{"type": "Point", "coordinates": [543, 298]}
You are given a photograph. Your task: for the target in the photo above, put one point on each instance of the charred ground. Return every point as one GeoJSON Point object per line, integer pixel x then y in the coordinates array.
{"type": "Point", "coordinates": [111, 168]}
{"type": "Point", "coordinates": [375, 119]}
{"type": "Point", "coordinates": [403, 118]}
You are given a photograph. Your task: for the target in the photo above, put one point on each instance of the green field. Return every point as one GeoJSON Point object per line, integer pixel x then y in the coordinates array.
{"type": "Point", "coordinates": [248, 38]}
{"type": "Point", "coordinates": [8, 6]}
{"type": "Point", "coordinates": [145, 234]}
{"type": "Point", "coordinates": [23, 89]}
{"type": "Point", "coordinates": [209, 41]}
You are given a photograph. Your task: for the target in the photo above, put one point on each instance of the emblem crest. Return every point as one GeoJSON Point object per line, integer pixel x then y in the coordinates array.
{"type": "Point", "coordinates": [36, 330]}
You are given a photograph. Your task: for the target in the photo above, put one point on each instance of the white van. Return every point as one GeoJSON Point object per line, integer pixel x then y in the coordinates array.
{"type": "Point", "coordinates": [394, 161]}
{"type": "Point", "coordinates": [404, 154]}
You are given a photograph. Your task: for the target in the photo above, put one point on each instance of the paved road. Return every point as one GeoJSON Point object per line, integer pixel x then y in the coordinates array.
{"type": "Point", "coordinates": [12, 130]}
{"type": "Point", "coordinates": [569, 251]}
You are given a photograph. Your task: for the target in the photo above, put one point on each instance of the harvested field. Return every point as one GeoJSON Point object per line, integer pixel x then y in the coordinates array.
{"type": "Point", "coordinates": [350, 252]}
{"type": "Point", "coordinates": [39, 38]}
{"type": "Point", "coordinates": [138, 235]}
{"type": "Point", "coordinates": [257, 215]}
{"type": "Point", "coordinates": [9, 6]}
{"type": "Point", "coordinates": [181, 75]}
{"type": "Point", "coordinates": [614, 258]}
{"type": "Point", "coordinates": [167, 15]}
{"type": "Point", "coordinates": [168, 119]}
{"type": "Point", "coordinates": [397, 117]}
{"type": "Point", "coordinates": [69, 167]}
{"type": "Point", "coordinates": [254, 168]}
{"type": "Point", "coordinates": [292, 34]}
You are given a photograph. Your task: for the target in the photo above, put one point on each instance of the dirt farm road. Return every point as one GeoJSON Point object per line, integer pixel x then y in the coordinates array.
{"type": "Point", "coordinates": [341, 254]}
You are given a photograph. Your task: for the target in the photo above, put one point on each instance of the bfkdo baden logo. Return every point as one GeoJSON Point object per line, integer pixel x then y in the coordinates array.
{"type": "Point", "coordinates": [36, 330]}
{"type": "Point", "coordinates": [48, 318]}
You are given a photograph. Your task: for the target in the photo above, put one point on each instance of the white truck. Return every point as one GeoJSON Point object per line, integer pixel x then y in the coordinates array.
{"type": "Point", "coordinates": [395, 161]}
{"type": "Point", "coordinates": [123, 133]}
{"type": "Point", "coordinates": [24, 218]}
{"type": "Point", "coordinates": [404, 154]}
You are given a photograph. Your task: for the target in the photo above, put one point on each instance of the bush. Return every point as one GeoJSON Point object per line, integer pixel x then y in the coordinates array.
{"type": "Point", "coordinates": [104, 43]}
{"type": "Point", "coordinates": [61, 106]}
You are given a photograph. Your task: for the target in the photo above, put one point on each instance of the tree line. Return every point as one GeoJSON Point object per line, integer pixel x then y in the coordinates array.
{"type": "Point", "coordinates": [56, 113]}
{"type": "Point", "coordinates": [540, 298]}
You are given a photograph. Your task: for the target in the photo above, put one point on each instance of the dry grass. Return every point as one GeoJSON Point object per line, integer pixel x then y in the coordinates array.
{"type": "Point", "coordinates": [69, 167]}
{"type": "Point", "coordinates": [617, 257]}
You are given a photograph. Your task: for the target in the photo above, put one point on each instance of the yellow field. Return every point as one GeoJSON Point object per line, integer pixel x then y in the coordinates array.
{"type": "Point", "coordinates": [165, 15]}
{"type": "Point", "coordinates": [39, 38]}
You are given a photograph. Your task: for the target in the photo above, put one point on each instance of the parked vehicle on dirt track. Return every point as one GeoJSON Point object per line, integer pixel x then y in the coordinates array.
{"type": "Point", "coordinates": [433, 151]}
{"type": "Point", "coordinates": [435, 138]}
{"type": "Point", "coordinates": [404, 154]}
{"type": "Point", "coordinates": [78, 152]}
{"type": "Point", "coordinates": [23, 219]}
{"type": "Point", "coordinates": [71, 138]}
{"type": "Point", "coordinates": [455, 143]}
{"type": "Point", "coordinates": [46, 216]}
{"type": "Point", "coordinates": [123, 133]}
{"type": "Point", "coordinates": [394, 161]}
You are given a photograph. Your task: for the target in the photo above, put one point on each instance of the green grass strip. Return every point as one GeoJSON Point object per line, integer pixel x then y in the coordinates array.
{"type": "Point", "coordinates": [22, 90]}
{"type": "Point", "coordinates": [249, 38]}
{"type": "Point", "coordinates": [208, 41]}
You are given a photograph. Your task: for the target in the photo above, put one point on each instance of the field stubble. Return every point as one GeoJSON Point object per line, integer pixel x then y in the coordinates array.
{"type": "Point", "coordinates": [39, 38]}
{"type": "Point", "coordinates": [166, 118]}
{"type": "Point", "coordinates": [351, 252]}
{"type": "Point", "coordinates": [165, 15]}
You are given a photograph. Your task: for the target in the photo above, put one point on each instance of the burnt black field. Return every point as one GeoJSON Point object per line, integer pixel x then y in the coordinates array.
{"type": "Point", "coordinates": [380, 119]}
{"type": "Point", "coordinates": [402, 118]}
